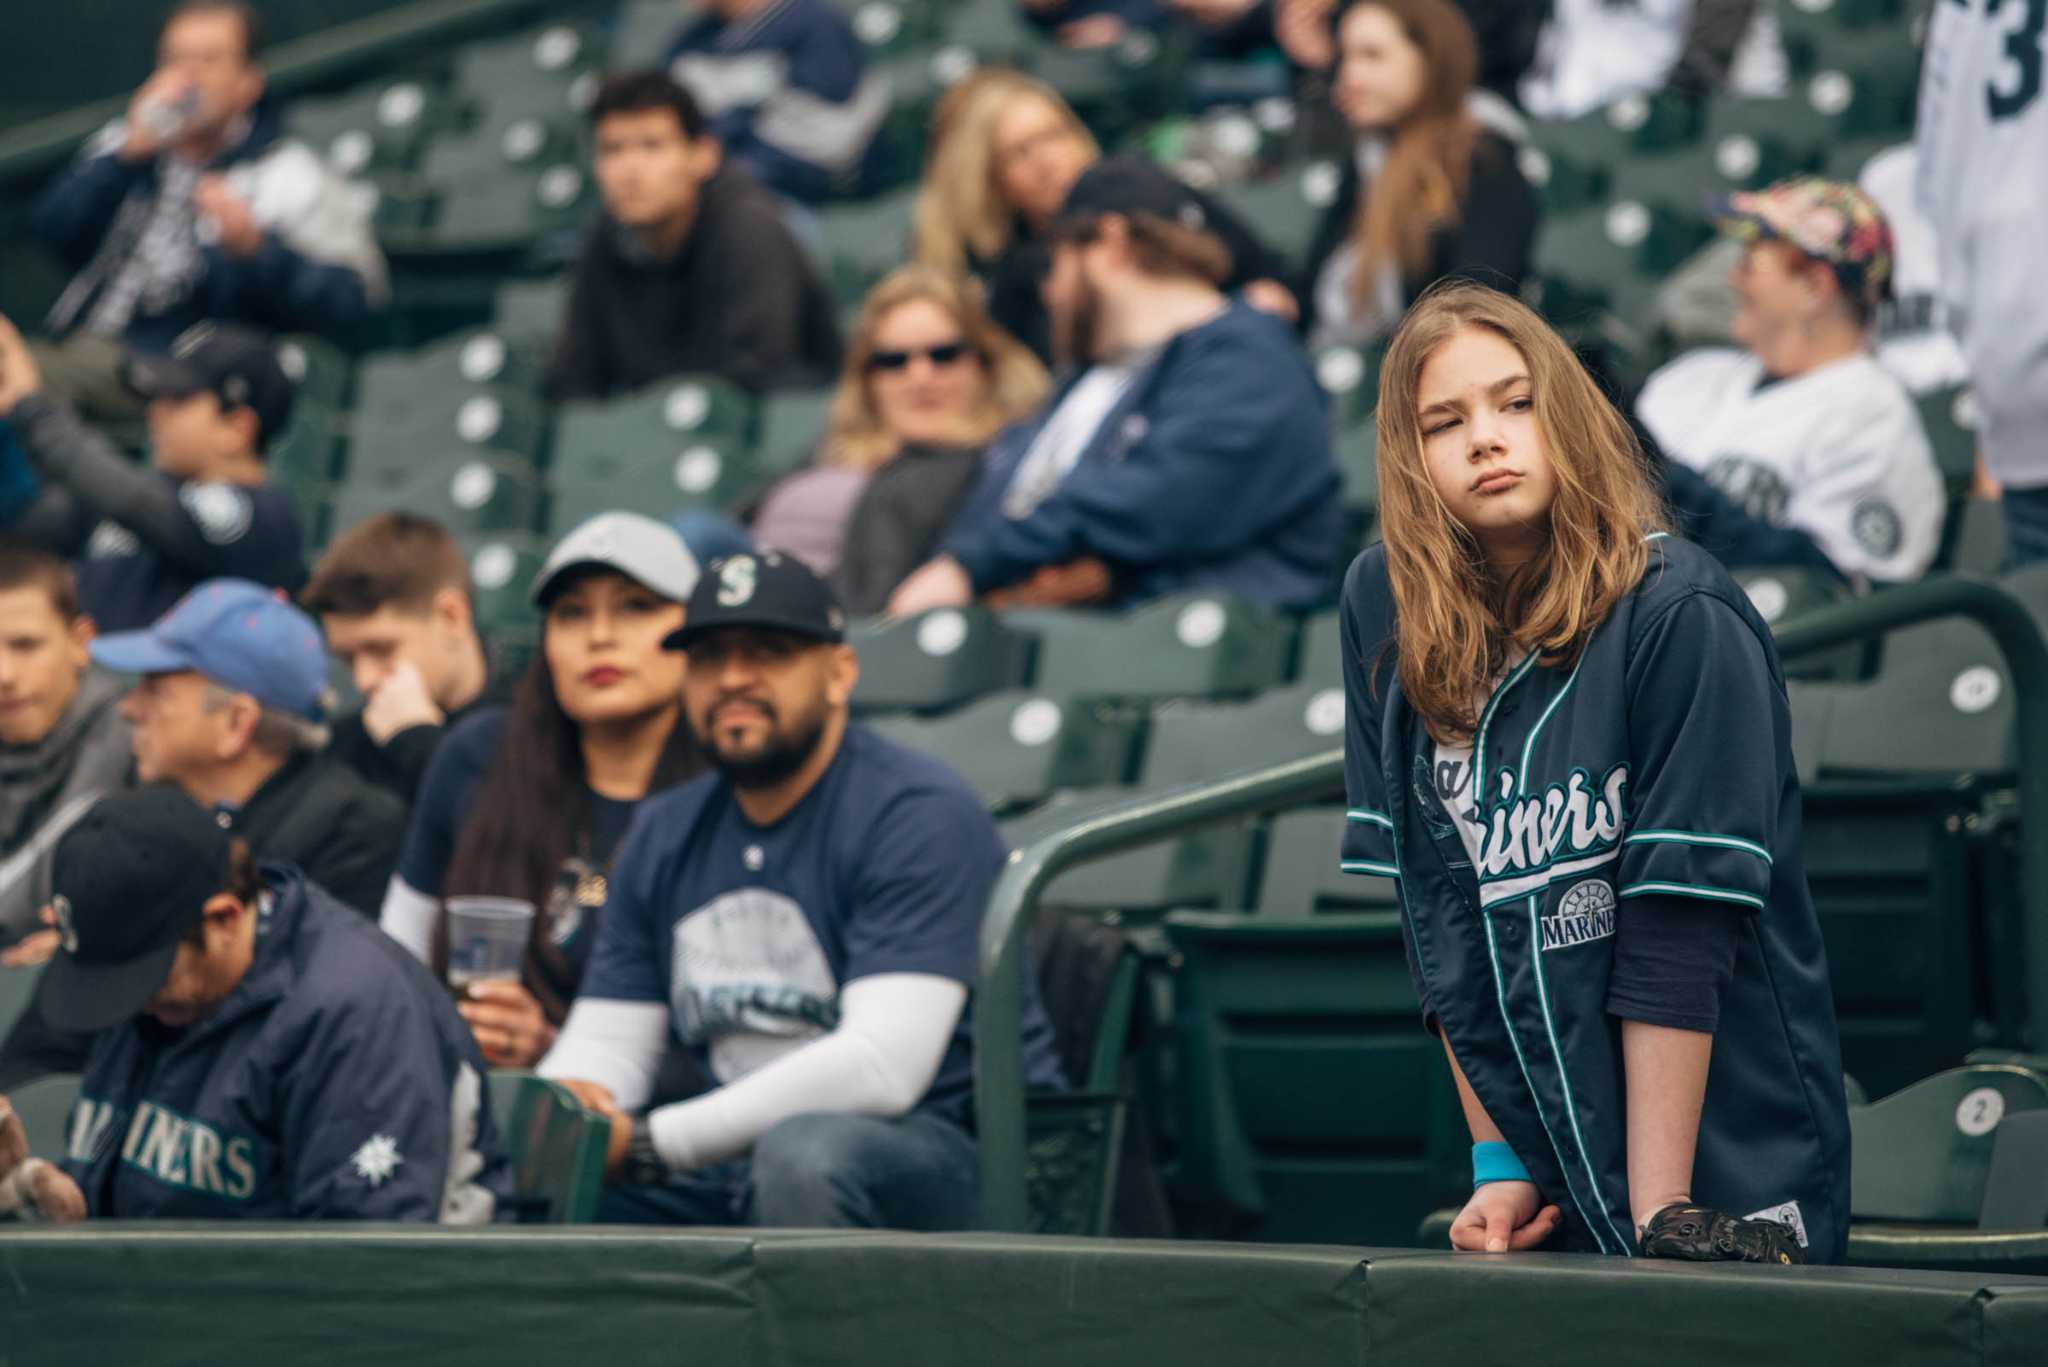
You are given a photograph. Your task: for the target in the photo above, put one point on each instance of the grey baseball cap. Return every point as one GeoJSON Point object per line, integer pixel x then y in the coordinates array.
{"type": "Point", "coordinates": [637, 546]}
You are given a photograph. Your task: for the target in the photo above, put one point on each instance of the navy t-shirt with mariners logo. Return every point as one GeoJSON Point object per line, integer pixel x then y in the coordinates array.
{"type": "Point", "coordinates": [747, 933]}
{"type": "Point", "coordinates": [249, 531]}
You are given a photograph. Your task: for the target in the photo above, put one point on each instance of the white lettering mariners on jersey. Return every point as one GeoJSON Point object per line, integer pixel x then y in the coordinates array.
{"type": "Point", "coordinates": [174, 1149]}
{"type": "Point", "coordinates": [1566, 828]}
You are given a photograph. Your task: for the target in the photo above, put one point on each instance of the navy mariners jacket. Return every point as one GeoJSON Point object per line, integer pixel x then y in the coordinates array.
{"type": "Point", "coordinates": [1659, 765]}
{"type": "Point", "coordinates": [335, 1082]}
{"type": "Point", "coordinates": [1212, 471]}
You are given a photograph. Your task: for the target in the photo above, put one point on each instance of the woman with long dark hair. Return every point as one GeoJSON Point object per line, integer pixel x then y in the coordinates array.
{"type": "Point", "coordinates": [531, 800]}
{"type": "Point", "coordinates": [1567, 743]}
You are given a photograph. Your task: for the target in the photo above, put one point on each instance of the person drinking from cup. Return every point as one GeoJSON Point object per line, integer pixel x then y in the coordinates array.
{"type": "Point", "coordinates": [262, 1052]}
{"type": "Point", "coordinates": [529, 801]}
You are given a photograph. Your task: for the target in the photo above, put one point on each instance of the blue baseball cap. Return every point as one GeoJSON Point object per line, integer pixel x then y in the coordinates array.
{"type": "Point", "coordinates": [239, 634]}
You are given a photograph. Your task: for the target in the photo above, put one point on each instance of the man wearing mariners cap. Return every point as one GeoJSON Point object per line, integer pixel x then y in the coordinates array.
{"type": "Point", "coordinates": [228, 708]}
{"type": "Point", "coordinates": [805, 920]}
{"type": "Point", "coordinates": [1801, 448]}
{"type": "Point", "coordinates": [143, 536]}
{"type": "Point", "coordinates": [263, 1052]}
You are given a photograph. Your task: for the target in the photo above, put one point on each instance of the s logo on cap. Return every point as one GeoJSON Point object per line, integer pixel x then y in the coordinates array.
{"type": "Point", "coordinates": [67, 933]}
{"type": "Point", "coordinates": [736, 579]}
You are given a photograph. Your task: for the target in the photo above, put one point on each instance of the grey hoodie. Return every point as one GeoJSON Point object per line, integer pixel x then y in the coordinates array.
{"type": "Point", "coordinates": [46, 786]}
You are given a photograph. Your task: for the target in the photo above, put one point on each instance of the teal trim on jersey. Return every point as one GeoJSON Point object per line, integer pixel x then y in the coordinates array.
{"type": "Point", "coordinates": [1368, 866]}
{"type": "Point", "coordinates": [1748, 899]}
{"type": "Point", "coordinates": [1500, 992]}
{"type": "Point", "coordinates": [1728, 842]}
{"type": "Point", "coordinates": [1368, 818]}
{"type": "Point", "coordinates": [1529, 746]}
{"type": "Point", "coordinates": [1571, 1110]}
{"type": "Point", "coordinates": [1482, 781]}
{"type": "Point", "coordinates": [1656, 536]}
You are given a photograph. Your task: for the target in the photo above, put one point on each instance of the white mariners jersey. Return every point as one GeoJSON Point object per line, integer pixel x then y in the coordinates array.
{"type": "Point", "coordinates": [1838, 454]}
{"type": "Point", "coordinates": [1983, 138]}
{"type": "Point", "coordinates": [1915, 342]}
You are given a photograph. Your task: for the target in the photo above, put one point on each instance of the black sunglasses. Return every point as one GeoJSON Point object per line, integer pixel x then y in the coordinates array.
{"type": "Point", "coordinates": [943, 355]}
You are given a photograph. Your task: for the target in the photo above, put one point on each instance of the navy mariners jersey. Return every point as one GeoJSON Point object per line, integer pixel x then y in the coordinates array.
{"type": "Point", "coordinates": [1658, 765]}
{"type": "Point", "coordinates": [748, 932]}
{"type": "Point", "coordinates": [335, 1082]}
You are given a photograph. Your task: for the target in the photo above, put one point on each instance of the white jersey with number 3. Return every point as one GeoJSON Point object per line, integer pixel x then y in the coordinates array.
{"type": "Point", "coordinates": [1838, 454]}
{"type": "Point", "coordinates": [1983, 141]}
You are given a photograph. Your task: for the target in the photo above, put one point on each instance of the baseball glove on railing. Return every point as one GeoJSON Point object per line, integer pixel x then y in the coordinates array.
{"type": "Point", "coordinates": [1698, 1234]}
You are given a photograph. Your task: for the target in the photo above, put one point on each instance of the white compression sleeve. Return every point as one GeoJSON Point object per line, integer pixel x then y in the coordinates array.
{"type": "Point", "coordinates": [892, 1035]}
{"type": "Point", "coordinates": [616, 1044]}
{"type": "Point", "coordinates": [409, 916]}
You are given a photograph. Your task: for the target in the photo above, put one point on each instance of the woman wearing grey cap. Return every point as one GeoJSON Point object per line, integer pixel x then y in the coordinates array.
{"type": "Point", "coordinates": [530, 800]}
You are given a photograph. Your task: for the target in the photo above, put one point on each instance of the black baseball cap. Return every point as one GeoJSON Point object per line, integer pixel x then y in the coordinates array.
{"type": "Point", "coordinates": [1132, 185]}
{"type": "Point", "coordinates": [237, 363]}
{"type": "Point", "coordinates": [131, 879]}
{"type": "Point", "coordinates": [767, 590]}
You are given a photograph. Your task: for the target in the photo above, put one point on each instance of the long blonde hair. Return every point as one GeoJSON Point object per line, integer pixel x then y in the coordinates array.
{"type": "Point", "coordinates": [1456, 621]}
{"type": "Point", "coordinates": [960, 207]}
{"type": "Point", "coordinates": [1014, 383]}
{"type": "Point", "coordinates": [1428, 171]}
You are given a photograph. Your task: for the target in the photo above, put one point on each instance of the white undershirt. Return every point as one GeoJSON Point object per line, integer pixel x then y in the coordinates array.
{"type": "Point", "coordinates": [1457, 787]}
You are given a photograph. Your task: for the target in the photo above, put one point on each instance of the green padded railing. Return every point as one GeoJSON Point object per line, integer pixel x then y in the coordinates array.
{"type": "Point", "coordinates": [999, 1081]}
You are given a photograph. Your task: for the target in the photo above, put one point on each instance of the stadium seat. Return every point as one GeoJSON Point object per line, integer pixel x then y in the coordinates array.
{"type": "Point", "coordinates": [793, 422]}
{"type": "Point", "coordinates": [501, 571]}
{"type": "Point", "coordinates": [528, 314]}
{"type": "Point", "coordinates": [1314, 1108]}
{"type": "Point", "coordinates": [688, 408]}
{"type": "Point", "coordinates": [17, 990]}
{"type": "Point", "coordinates": [1193, 645]}
{"type": "Point", "coordinates": [1781, 593]}
{"type": "Point", "coordinates": [393, 382]}
{"type": "Point", "coordinates": [1203, 869]}
{"type": "Point", "coordinates": [1351, 377]}
{"type": "Point", "coordinates": [1948, 1172]}
{"type": "Point", "coordinates": [864, 241]}
{"type": "Point", "coordinates": [1356, 451]}
{"type": "Point", "coordinates": [1074, 1140]}
{"type": "Point", "coordinates": [505, 211]}
{"type": "Point", "coordinates": [300, 459]}
{"type": "Point", "coordinates": [375, 127]}
{"type": "Point", "coordinates": [642, 32]}
{"type": "Point", "coordinates": [1017, 748]}
{"type": "Point", "coordinates": [546, 73]}
{"type": "Point", "coordinates": [1322, 651]}
{"type": "Point", "coordinates": [44, 1106]}
{"type": "Point", "coordinates": [586, 481]}
{"type": "Point", "coordinates": [1203, 742]}
{"type": "Point", "coordinates": [479, 494]}
{"type": "Point", "coordinates": [392, 438]}
{"type": "Point", "coordinates": [1950, 417]}
{"type": "Point", "coordinates": [936, 660]}
{"type": "Point", "coordinates": [1301, 876]}
{"type": "Point", "coordinates": [1286, 207]}
{"type": "Point", "coordinates": [992, 33]}
{"type": "Point", "coordinates": [1941, 706]}
{"type": "Point", "coordinates": [1976, 536]}
{"type": "Point", "coordinates": [317, 369]}
{"type": "Point", "coordinates": [557, 1148]}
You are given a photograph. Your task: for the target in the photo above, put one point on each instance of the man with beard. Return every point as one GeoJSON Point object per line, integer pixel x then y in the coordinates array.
{"type": "Point", "coordinates": [1188, 449]}
{"type": "Point", "coordinates": [805, 919]}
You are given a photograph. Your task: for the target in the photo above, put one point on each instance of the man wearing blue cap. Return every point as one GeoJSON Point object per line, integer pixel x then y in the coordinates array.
{"type": "Point", "coordinates": [263, 1053]}
{"type": "Point", "coordinates": [229, 709]}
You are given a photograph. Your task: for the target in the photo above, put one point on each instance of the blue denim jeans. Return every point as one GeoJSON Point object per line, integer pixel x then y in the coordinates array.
{"type": "Point", "coordinates": [2026, 526]}
{"type": "Point", "coordinates": [824, 1171]}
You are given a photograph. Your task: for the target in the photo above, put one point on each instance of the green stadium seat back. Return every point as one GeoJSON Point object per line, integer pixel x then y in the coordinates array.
{"type": "Point", "coordinates": [1922, 1154]}
{"type": "Point", "coordinates": [1566, 178]}
{"type": "Point", "coordinates": [480, 494]}
{"type": "Point", "coordinates": [508, 144]}
{"type": "Point", "coordinates": [937, 660]}
{"type": "Point", "coordinates": [1193, 742]}
{"type": "Point", "coordinates": [481, 359]}
{"type": "Point", "coordinates": [917, 78]}
{"type": "Point", "coordinates": [507, 211]}
{"type": "Point", "coordinates": [17, 990]}
{"type": "Point", "coordinates": [392, 435]}
{"type": "Point", "coordinates": [375, 127]}
{"type": "Point", "coordinates": [1192, 645]}
{"type": "Point", "coordinates": [1201, 869]}
{"type": "Point", "coordinates": [1322, 652]}
{"type": "Point", "coordinates": [1586, 266]}
{"type": "Point", "coordinates": [887, 28]}
{"type": "Point", "coordinates": [642, 32]}
{"type": "Point", "coordinates": [1314, 1107]}
{"type": "Point", "coordinates": [1889, 866]}
{"type": "Point", "coordinates": [1301, 876]}
{"type": "Point", "coordinates": [1116, 88]}
{"type": "Point", "coordinates": [301, 461]}
{"type": "Point", "coordinates": [693, 474]}
{"type": "Point", "coordinates": [1017, 748]}
{"type": "Point", "coordinates": [1940, 705]}
{"type": "Point", "coordinates": [44, 1106]}
{"type": "Point", "coordinates": [1351, 377]}
{"type": "Point", "coordinates": [1781, 593]}
{"type": "Point", "coordinates": [318, 370]}
{"type": "Point", "coordinates": [864, 241]}
{"type": "Point", "coordinates": [1950, 417]}
{"type": "Point", "coordinates": [793, 423]}
{"type": "Point", "coordinates": [557, 1148]}
{"type": "Point", "coordinates": [1287, 207]}
{"type": "Point", "coordinates": [1978, 538]}
{"type": "Point", "coordinates": [1356, 450]}
{"type": "Point", "coordinates": [547, 72]}
{"type": "Point", "coordinates": [501, 572]}
{"type": "Point", "coordinates": [992, 32]}
{"type": "Point", "coordinates": [664, 417]}
{"type": "Point", "coordinates": [1812, 707]}
{"type": "Point", "coordinates": [528, 314]}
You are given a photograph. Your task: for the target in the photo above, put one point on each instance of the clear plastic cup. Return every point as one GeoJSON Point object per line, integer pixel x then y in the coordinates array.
{"type": "Point", "coordinates": [486, 939]}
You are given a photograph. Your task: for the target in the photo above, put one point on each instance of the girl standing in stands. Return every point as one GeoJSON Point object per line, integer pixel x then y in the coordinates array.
{"type": "Point", "coordinates": [1005, 149]}
{"type": "Point", "coordinates": [1428, 192]}
{"type": "Point", "coordinates": [531, 800]}
{"type": "Point", "coordinates": [928, 380]}
{"type": "Point", "coordinates": [1567, 740]}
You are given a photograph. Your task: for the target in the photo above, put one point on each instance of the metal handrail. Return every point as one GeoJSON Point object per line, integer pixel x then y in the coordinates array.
{"type": "Point", "coordinates": [999, 1000]}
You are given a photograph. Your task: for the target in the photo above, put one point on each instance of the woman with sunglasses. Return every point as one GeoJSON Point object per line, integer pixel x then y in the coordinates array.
{"type": "Point", "coordinates": [929, 379]}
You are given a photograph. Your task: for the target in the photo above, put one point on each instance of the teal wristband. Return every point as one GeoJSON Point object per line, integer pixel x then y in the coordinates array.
{"type": "Point", "coordinates": [1496, 1162]}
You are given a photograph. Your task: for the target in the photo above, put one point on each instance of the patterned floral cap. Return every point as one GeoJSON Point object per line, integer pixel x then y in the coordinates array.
{"type": "Point", "coordinates": [1829, 220]}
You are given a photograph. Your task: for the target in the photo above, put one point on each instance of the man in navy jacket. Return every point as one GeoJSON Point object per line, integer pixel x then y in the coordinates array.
{"type": "Point", "coordinates": [267, 1053]}
{"type": "Point", "coordinates": [1190, 451]}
